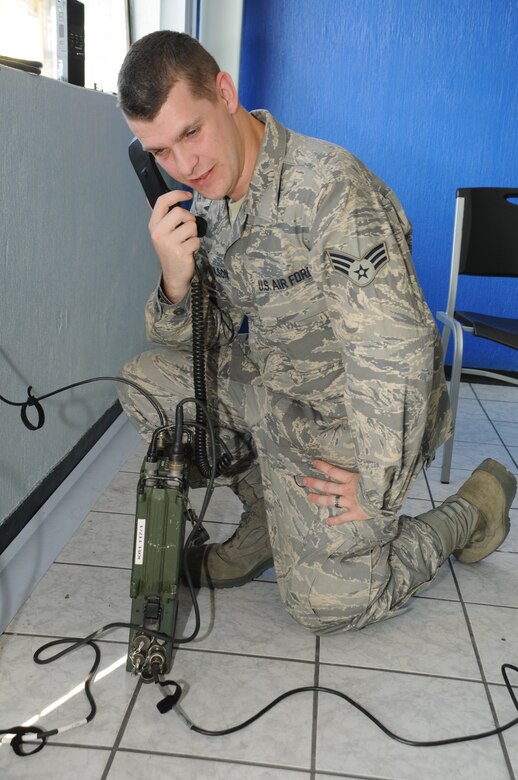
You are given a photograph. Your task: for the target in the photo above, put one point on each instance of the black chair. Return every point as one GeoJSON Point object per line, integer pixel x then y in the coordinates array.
{"type": "Point", "coordinates": [485, 243]}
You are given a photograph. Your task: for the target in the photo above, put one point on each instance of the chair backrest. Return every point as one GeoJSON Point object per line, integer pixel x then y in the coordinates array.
{"type": "Point", "coordinates": [489, 232]}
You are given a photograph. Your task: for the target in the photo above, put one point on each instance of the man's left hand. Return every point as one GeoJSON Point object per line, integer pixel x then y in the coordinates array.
{"type": "Point", "coordinates": [337, 491]}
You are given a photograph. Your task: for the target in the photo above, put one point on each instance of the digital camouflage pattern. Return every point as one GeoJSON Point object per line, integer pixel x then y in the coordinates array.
{"type": "Point", "coordinates": [342, 362]}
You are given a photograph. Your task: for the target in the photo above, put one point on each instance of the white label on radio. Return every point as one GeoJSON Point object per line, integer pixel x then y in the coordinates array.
{"type": "Point", "coordinates": [139, 543]}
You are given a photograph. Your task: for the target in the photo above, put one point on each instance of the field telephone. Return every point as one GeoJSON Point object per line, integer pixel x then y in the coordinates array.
{"type": "Point", "coordinates": [162, 502]}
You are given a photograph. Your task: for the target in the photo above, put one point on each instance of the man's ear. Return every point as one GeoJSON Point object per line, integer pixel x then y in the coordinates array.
{"type": "Point", "coordinates": [226, 91]}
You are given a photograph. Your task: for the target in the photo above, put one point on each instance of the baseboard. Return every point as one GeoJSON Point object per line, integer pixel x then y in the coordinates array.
{"type": "Point", "coordinates": [18, 519]}
{"type": "Point", "coordinates": [24, 562]}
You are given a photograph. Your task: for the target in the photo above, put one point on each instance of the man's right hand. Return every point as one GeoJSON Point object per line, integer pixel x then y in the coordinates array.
{"type": "Point", "coordinates": [175, 239]}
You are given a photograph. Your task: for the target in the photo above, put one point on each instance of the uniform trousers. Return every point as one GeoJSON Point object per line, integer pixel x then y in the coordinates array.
{"type": "Point", "coordinates": [331, 578]}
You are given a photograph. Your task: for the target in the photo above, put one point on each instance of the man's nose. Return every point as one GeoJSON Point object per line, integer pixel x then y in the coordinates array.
{"type": "Point", "coordinates": [184, 162]}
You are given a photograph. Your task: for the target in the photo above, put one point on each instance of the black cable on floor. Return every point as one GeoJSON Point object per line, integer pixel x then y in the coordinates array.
{"type": "Point", "coordinates": [40, 736]}
{"type": "Point", "coordinates": [171, 701]}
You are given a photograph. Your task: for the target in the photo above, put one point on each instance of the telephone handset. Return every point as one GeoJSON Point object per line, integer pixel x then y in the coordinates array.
{"type": "Point", "coordinates": [152, 180]}
{"type": "Point", "coordinates": [154, 186]}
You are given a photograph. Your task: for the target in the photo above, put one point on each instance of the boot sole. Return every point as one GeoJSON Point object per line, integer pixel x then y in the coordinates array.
{"type": "Point", "coordinates": [206, 582]}
{"type": "Point", "coordinates": [478, 551]}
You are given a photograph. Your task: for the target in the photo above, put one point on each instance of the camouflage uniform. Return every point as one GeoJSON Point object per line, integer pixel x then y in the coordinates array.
{"type": "Point", "coordinates": [342, 362]}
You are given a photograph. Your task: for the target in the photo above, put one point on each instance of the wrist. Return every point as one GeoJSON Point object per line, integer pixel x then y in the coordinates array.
{"type": "Point", "coordinates": [174, 291]}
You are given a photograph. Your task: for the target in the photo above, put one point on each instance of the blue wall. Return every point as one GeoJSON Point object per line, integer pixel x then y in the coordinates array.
{"type": "Point", "coordinates": [425, 92]}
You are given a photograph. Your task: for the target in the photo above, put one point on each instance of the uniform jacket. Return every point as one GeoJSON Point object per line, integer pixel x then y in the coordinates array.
{"type": "Point", "coordinates": [319, 259]}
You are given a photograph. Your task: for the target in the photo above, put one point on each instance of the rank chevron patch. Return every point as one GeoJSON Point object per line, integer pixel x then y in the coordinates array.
{"type": "Point", "coordinates": [360, 271]}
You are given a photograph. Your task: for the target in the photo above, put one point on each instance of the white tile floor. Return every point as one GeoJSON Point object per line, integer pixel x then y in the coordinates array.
{"type": "Point", "coordinates": [431, 673]}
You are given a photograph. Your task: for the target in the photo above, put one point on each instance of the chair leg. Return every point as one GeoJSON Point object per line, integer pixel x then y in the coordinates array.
{"type": "Point", "coordinates": [447, 454]}
{"type": "Point", "coordinates": [456, 370]}
{"type": "Point", "coordinates": [445, 338]}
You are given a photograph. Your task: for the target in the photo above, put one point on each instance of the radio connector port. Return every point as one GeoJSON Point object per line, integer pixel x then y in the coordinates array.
{"type": "Point", "coordinates": [156, 657]}
{"type": "Point", "coordinates": [139, 652]}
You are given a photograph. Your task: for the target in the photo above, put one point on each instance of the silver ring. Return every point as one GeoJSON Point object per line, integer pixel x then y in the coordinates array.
{"type": "Point", "coordinates": [337, 502]}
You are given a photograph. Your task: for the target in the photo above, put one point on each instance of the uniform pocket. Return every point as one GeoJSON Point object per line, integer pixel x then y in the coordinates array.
{"type": "Point", "coordinates": [298, 355]}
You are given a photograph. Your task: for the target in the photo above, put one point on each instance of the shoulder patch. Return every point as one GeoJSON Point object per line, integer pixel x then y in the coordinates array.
{"type": "Point", "coordinates": [361, 270]}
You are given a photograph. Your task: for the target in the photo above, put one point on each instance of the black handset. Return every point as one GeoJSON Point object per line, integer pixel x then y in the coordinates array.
{"type": "Point", "coordinates": [152, 180]}
{"type": "Point", "coordinates": [154, 186]}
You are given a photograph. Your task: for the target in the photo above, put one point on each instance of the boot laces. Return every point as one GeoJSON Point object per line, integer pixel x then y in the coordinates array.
{"type": "Point", "coordinates": [246, 519]}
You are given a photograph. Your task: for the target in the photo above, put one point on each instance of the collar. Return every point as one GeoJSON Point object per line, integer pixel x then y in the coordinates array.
{"type": "Point", "coordinates": [264, 190]}
{"type": "Point", "coordinates": [262, 198]}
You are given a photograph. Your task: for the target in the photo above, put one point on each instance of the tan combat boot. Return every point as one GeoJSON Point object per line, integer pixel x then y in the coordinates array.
{"type": "Point", "coordinates": [245, 555]}
{"type": "Point", "coordinates": [491, 489]}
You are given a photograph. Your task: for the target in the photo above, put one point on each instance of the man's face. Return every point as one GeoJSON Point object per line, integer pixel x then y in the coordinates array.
{"type": "Point", "coordinates": [196, 141]}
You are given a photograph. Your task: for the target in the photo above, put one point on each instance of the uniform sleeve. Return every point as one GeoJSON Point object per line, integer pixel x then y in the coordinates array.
{"type": "Point", "coordinates": [171, 323]}
{"type": "Point", "coordinates": [168, 323]}
{"type": "Point", "coordinates": [386, 332]}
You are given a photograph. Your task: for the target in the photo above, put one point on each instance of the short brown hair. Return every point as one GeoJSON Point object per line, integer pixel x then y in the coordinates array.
{"type": "Point", "coordinates": [155, 63]}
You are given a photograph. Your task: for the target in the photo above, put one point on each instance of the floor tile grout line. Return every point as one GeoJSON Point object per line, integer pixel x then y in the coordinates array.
{"type": "Point", "coordinates": [55, 743]}
{"type": "Point", "coordinates": [213, 759]}
{"type": "Point", "coordinates": [491, 606]}
{"type": "Point", "coordinates": [356, 776]}
{"type": "Point", "coordinates": [441, 600]}
{"type": "Point", "coordinates": [110, 512]}
{"type": "Point", "coordinates": [498, 400]}
{"type": "Point", "coordinates": [233, 654]}
{"type": "Point", "coordinates": [122, 729]}
{"type": "Point", "coordinates": [467, 441]}
{"type": "Point", "coordinates": [314, 723]}
{"type": "Point", "coordinates": [91, 565]}
{"type": "Point", "coordinates": [28, 635]}
{"type": "Point", "coordinates": [482, 401]}
{"type": "Point", "coordinates": [409, 673]}
{"type": "Point", "coordinates": [472, 603]}
{"type": "Point", "coordinates": [479, 401]}
{"type": "Point", "coordinates": [483, 675]}
{"type": "Point", "coordinates": [82, 565]}
{"type": "Point", "coordinates": [495, 430]}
